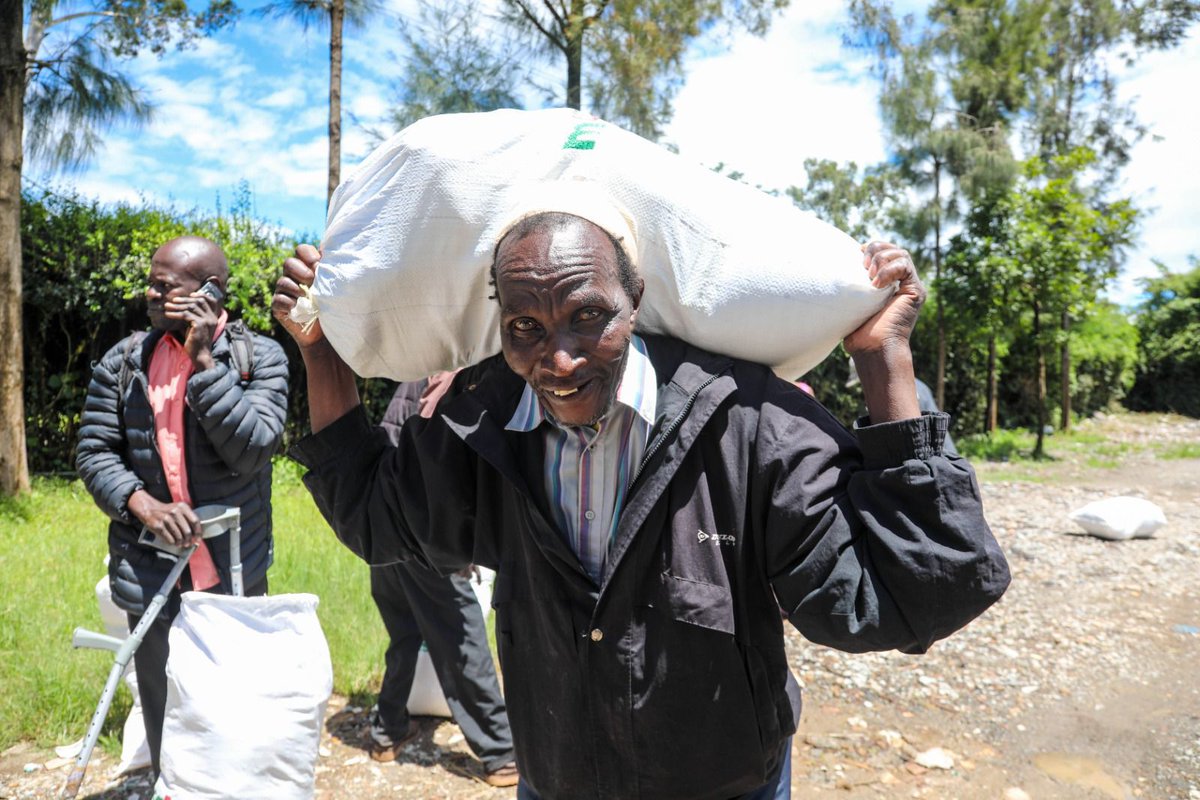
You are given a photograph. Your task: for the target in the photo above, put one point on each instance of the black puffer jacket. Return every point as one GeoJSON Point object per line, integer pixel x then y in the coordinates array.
{"type": "Point", "coordinates": [231, 432]}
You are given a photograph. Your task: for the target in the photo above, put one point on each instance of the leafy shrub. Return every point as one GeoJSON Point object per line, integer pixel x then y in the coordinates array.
{"type": "Point", "coordinates": [84, 269]}
{"type": "Point", "coordinates": [1168, 321]}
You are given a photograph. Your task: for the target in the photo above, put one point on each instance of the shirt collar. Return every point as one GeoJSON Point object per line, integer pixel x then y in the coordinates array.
{"type": "Point", "coordinates": [638, 390]}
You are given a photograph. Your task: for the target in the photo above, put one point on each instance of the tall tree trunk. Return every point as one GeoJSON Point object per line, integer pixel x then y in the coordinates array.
{"type": "Point", "coordinates": [14, 468]}
{"type": "Point", "coordinates": [992, 387]}
{"type": "Point", "coordinates": [940, 383]}
{"type": "Point", "coordinates": [1065, 417]}
{"type": "Point", "coordinates": [337, 13]}
{"type": "Point", "coordinates": [1040, 450]}
{"type": "Point", "coordinates": [574, 36]}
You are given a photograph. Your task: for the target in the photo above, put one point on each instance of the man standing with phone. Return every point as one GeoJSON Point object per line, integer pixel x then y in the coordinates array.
{"type": "Point", "coordinates": [184, 415]}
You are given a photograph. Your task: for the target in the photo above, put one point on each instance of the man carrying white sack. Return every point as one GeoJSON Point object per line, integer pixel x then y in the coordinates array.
{"type": "Point", "coordinates": [649, 507]}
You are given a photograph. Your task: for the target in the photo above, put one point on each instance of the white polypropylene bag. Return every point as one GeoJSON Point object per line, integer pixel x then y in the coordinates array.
{"type": "Point", "coordinates": [403, 290]}
{"type": "Point", "coordinates": [247, 683]}
{"type": "Point", "coordinates": [1120, 518]}
{"type": "Point", "coordinates": [427, 698]}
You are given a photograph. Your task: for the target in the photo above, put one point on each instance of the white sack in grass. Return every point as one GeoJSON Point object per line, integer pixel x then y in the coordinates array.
{"type": "Point", "coordinates": [403, 290]}
{"type": "Point", "coordinates": [1120, 518]}
{"type": "Point", "coordinates": [247, 683]}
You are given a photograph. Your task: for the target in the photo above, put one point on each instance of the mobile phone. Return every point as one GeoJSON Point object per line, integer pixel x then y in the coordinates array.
{"type": "Point", "coordinates": [213, 290]}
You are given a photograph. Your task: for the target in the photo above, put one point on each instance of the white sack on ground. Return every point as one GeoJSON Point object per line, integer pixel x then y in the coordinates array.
{"type": "Point", "coordinates": [247, 683]}
{"type": "Point", "coordinates": [403, 287]}
{"type": "Point", "coordinates": [1120, 518]}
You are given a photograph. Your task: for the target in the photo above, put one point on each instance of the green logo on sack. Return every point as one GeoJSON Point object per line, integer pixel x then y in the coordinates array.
{"type": "Point", "coordinates": [581, 137]}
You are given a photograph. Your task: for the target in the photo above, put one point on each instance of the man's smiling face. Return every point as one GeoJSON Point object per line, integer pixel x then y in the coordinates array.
{"type": "Point", "coordinates": [565, 317]}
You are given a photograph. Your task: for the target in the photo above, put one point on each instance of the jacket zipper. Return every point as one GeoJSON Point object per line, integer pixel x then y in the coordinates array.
{"type": "Point", "coordinates": [668, 431]}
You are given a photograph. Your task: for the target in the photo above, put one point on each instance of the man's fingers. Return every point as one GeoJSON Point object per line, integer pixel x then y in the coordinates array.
{"type": "Point", "coordinates": [192, 521]}
{"type": "Point", "coordinates": [287, 291]}
{"type": "Point", "coordinates": [889, 260]}
{"type": "Point", "coordinates": [170, 531]}
{"type": "Point", "coordinates": [308, 254]}
{"type": "Point", "coordinates": [301, 273]}
{"type": "Point", "coordinates": [899, 270]}
{"type": "Point", "coordinates": [870, 249]}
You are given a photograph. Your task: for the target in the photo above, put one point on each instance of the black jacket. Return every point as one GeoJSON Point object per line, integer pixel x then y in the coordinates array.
{"type": "Point", "coordinates": [231, 433]}
{"type": "Point", "coordinates": [669, 680]}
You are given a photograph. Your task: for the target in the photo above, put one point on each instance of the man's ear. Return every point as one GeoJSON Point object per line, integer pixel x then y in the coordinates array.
{"type": "Point", "coordinates": [637, 298]}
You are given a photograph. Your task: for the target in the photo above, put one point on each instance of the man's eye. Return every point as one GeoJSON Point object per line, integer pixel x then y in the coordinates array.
{"type": "Point", "coordinates": [524, 325]}
{"type": "Point", "coordinates": [590, 315]}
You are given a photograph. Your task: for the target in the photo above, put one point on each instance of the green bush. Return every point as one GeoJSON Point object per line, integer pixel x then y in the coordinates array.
{"type": "Point", "coordinates": [1168, 321]}
{"type": "Point", "coordinates": [1104, 352]}
{"type": "Point", "coordinates": [84, 271]}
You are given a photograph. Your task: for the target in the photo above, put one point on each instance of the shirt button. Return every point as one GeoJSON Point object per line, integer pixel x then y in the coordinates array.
{"type": "Point", "coordinates": [589, 514]}
{"type": "Point", "coordinates": [597, 634]}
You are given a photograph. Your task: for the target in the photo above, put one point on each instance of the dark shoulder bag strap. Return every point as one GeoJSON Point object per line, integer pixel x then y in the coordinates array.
{"type": "Point", "coordinates": [241, 347]}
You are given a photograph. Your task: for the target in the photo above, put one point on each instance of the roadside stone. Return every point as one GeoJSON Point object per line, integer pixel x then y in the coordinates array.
{"type": "Point", "coordinates": [936, 758]}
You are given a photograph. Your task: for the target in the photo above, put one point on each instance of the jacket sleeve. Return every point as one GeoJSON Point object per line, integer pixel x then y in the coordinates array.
{"type": "Point", "coordinates": [100, 455]}
{"type": "Point", "coordinates": [874, 544]}
{"type": "Point", "coordinates": [244, 425]}
{"type": "Point", "coordinates": [391, 503]}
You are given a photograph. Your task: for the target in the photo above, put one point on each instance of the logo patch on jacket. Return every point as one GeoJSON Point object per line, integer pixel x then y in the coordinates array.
{"type": "Point", "coordinates": [715, 538]}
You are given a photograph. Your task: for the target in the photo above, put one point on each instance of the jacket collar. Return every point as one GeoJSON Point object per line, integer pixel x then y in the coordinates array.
{"type": "Point", "coordinates": [484, 398]}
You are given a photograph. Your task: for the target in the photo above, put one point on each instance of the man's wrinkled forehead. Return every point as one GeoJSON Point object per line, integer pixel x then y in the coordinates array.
{"type": "Point", "coordinates": [559, 249]}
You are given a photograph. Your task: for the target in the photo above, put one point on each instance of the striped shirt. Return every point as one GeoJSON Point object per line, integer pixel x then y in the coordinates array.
{"type": "Point", "coordinates": [588, 470]}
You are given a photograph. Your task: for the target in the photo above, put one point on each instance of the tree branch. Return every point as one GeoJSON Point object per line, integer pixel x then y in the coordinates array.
{"type": "Point", "coordinates": [79, 14]}
{"type": "Point", "coordinates": [529, 15]}
{"type": "Point", "coordinates": [603, 4]}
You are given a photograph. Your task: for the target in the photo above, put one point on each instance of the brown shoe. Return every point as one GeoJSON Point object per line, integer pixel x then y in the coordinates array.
{"type": "Point", "coordinates": [383, 747]}
{"type": "Point", "coordinates": [503, 775]}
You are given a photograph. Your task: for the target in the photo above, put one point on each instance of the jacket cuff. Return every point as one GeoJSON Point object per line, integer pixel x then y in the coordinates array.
{"type": "Point", "coordinates": [890, 444]}
{"type": "Point", "coordinates": [348, 434]}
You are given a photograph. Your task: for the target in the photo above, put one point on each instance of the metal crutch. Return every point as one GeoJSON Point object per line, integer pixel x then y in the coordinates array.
{"type": "Point", "coordinates": [214, 521]}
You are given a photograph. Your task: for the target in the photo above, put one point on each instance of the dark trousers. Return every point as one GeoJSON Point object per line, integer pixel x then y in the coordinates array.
{"type": "Point", "coordinates": [150, 661]}
{"type": "Point", "coordinates": [419, 605]}
{"type": "Point", "coordinates": [777, 787]}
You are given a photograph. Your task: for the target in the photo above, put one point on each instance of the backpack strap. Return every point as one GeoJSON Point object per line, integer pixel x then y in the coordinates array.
{"type": "Point", "coordinates": [241, 348]}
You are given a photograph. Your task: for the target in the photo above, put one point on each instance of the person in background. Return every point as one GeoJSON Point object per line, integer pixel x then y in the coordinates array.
{"type": "Point", "coordinates": [187, 414]}
{"type": "Point", "coordinates": [417, 605]}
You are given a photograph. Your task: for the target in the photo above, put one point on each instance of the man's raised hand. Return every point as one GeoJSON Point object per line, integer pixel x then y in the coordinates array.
{"type": "Point", "coordinates": [886, 264]}
{"type": "Point", "coordinates": [298, 274]}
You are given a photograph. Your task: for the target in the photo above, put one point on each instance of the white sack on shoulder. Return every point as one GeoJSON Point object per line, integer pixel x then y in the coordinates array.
{"type": "Point", "coordinates": [1120, 518]}
{"type": "Point", "coordinates": [403, 287]}
{"type": "Point", "coordinates": [247, 683]}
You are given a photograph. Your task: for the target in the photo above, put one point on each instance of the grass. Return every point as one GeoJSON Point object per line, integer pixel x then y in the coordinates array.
{"type": "Point", "coordinates": [1179, 451]}
{"type": "Point", "coordinates": [52, 548]}
{"type": "Point", "coordinates": [1016, 447]}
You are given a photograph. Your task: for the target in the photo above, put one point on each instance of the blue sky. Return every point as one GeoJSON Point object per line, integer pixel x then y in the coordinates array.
{"type": "Point", "coordinates": [249, 104]}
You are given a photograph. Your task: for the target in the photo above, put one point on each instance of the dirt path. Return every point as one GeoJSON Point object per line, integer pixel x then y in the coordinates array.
{"type": "Point", "coordinates": [1083, 682]}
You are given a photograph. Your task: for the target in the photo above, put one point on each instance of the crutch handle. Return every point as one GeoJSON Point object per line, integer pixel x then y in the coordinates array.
{"type": "Point", "coordinates": [82, 637]}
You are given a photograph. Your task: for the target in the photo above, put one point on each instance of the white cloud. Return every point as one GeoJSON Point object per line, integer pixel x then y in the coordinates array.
{"type": "Point", "coordinates": [1163, 175]}
{"type": "Point", "coordinates": [288, 97]}
{"type": "Point", "coordinates": [764, 106]}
